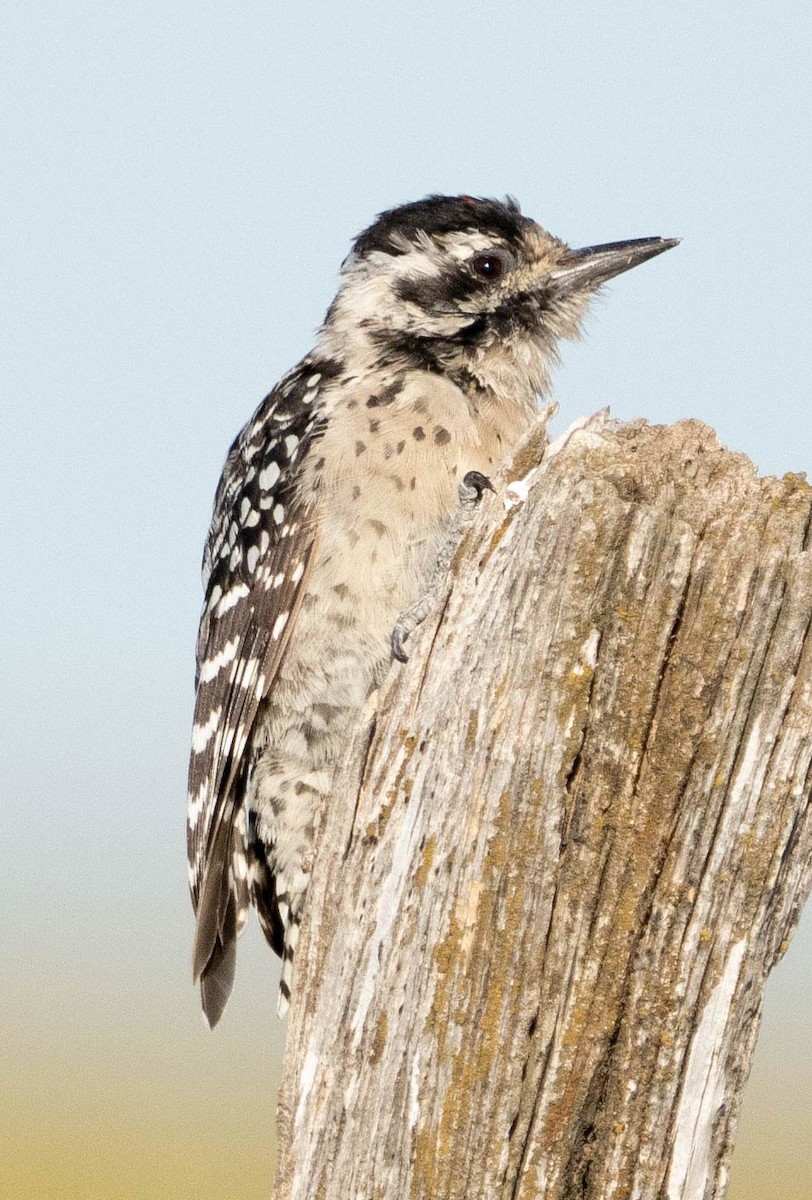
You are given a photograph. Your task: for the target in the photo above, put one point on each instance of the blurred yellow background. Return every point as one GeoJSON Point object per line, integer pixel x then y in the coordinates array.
{"type": "Point", "coordinates": [113, 1106]}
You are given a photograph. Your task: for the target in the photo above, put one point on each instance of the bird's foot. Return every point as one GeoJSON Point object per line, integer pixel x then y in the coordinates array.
{"type": "Point", "coordinates": [470, 491]}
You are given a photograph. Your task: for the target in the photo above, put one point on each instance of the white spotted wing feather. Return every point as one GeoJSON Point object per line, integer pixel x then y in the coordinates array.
{"type": "Point", "coordinates": [255, 568]}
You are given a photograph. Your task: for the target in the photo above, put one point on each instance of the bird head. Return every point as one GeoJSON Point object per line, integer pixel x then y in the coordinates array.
{"type": "Point", "coordinates": [461, 284]}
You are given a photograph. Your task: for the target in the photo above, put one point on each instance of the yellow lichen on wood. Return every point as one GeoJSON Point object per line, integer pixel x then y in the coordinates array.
{"type": "Point", "coordinates": [422, 872]}
{"type": "Point", "coordinates": [379, 1040]}
{"type": "Point", "coordinates": [598, 851]}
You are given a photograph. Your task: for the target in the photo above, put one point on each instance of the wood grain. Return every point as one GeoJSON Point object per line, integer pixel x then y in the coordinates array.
{"type": "Point", "coordinates": [562, 861]}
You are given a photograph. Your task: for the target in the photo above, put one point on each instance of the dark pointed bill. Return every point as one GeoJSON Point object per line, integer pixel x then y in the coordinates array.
{"type": "Point", "coordinates": [591, 266]}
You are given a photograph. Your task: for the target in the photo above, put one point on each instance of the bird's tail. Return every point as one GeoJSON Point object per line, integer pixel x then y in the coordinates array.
{"type": "Point", "coordinates": [222, 909]}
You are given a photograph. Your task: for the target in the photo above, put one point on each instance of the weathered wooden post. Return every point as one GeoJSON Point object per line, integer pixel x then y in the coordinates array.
{"type": "Point", "coordinates": [573, 848]}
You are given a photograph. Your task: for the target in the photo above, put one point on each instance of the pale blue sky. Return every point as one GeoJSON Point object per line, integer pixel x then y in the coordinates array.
{"type": "Point", "coordinates": [180, 184]}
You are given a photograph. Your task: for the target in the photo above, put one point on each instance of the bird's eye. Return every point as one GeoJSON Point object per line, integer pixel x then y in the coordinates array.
{"type": "Point", "coordinates": [488, 266]}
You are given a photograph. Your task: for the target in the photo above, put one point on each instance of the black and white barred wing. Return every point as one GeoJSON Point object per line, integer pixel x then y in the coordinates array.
{"type": "Point", "coordinates": [255, 569]}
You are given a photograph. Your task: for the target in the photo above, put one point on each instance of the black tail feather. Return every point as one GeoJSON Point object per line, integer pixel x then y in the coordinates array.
{"type": "Point", "coordinates": [214, 954]}
{"type": "Point", "coordinates": [263, 889]}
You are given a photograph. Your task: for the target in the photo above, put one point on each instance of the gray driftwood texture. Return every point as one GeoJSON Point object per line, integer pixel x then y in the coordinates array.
{"type": "Point", "coordinates": [576, 842]}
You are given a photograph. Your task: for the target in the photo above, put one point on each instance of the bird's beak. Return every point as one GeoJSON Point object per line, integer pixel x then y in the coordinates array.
{"type": "Point", "coordinates": [585, 269]}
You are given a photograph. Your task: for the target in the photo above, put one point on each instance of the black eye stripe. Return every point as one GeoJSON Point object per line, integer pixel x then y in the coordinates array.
{"type": "Point", "coordinates": [430, 292]}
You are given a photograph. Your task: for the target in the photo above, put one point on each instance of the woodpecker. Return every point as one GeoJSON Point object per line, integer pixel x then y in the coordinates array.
{"type": "Point", "coordinates": [336, 502]}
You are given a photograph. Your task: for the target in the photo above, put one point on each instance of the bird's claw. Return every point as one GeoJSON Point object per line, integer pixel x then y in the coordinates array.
{"type": "Point", "coordinates": [399, 635]}
{"type": "Point", "coordinates": [476, 479]}
{"type": "Point", "coordinates": [474, 483]}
